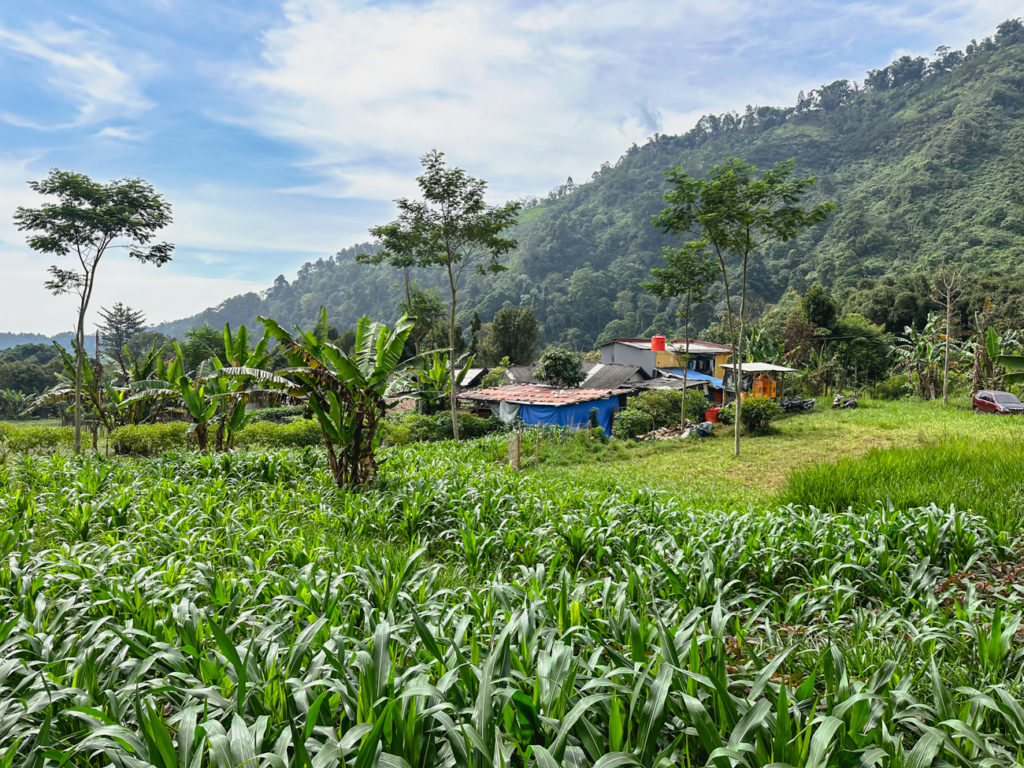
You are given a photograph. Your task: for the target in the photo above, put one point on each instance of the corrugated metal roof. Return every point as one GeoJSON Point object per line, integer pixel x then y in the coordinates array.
{"type": "Point", "coordinates": [697, 347]}
{"type": "Point", "coordinates": [538, 394]}
{"type": "Point", "coordinates": [522, 374]}
{"type": "Point", "coordinates": [764, 368]}
{"type": "Point", "coordinates": [609, 375]}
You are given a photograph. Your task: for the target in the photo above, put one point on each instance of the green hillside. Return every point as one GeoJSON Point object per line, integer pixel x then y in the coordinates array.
{"type": "Point", "coordinates": [923, 159]}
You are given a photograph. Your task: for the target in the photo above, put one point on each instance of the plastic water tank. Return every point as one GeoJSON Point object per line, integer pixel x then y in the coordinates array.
{"type": "Point", "coordinates": [658, 343]}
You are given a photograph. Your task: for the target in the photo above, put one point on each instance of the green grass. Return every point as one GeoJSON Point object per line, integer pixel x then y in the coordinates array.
{"type": "Point", "coordinates": [982, 476]}
{"type": "Point", "coordinates": [705, 472]}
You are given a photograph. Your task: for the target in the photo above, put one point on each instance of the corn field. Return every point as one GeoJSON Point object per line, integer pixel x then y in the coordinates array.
{"type": "Point", "coordinates": [242, 610]}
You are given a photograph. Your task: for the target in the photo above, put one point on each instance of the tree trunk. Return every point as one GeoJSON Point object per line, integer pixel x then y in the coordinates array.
{"type": "Point", "coordinates": [945, 365]}
{"type": "Point", "coordinates": [79, 355]}
{"type": "Point", "coordinates": [452, 389]}
{"type": "Point", "coordinates": [739, 360]}
{"type": "Point", "coordinates": [686, 363]}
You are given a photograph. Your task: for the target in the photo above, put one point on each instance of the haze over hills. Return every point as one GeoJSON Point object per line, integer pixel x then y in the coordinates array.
{"type": "Point", "coordinates": [923, 159]}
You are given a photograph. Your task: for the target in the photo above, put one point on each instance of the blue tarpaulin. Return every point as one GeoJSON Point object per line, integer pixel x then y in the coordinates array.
{"type": "Point", "coordinates": [573, 416]}
{"type": "Point", "coordinates": [695, 376]}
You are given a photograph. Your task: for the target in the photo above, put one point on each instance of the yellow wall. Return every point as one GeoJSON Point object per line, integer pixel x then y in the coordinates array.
{"type": "Point", "coordinates": [720, 364]}
{"type": "Point", "coordinates": [666, 360]}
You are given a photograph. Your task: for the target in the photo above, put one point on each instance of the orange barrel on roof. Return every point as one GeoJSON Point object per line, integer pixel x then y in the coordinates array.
{"type": "Point", "coordinates": [658, 343]}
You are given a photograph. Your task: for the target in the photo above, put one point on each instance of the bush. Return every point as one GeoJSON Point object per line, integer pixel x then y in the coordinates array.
{"type": "Point", "coordinates": [757, 413]}
{"type": "Point", "coordinates": [631, 423]}
{"type": "Point", "coordinates": [21, 438]}
{"type": "Point", "coordinates": [662, 405]}
{"type": "Point", "coordinates": [727, 413]}
{"type": "Point", "coordinates": [295, 434]}
{"type": "Point", "coordinates": [149, 439]}
{"type": "Point", "coordinates": [892, 388]}
{"type": "Point", "coordinates": [415, 427]}
{"type": "Point", "coordinates": [278, 415]}
{"type": "Point", "coordinates": [155, 439]}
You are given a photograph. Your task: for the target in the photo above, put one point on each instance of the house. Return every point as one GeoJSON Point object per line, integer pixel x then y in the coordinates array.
{"type": "Point", "coordinates": [656, 353]}
{"type": "Point", "coordinates": [656, 357]}
{"type": "Point", "coordinates": [538, 404]}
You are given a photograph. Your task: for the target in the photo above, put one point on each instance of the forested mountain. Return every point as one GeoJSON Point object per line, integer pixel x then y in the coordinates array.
{"type": "Point", "coordinates": [8, 340]}
{"type": "Point", "coordinates": [924, 160]}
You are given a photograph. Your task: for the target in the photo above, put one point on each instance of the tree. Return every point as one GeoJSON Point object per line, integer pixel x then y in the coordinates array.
{"type": "Point", "coordinates": [819, 308]}
{"type": "Point", "coordinates": [451, 227]}
{"type": "Point", "coordinates": [560, 367]}
{"type": "Point", "coordinates": [120, 325]}
{"type": "Point", "coordinates": [735, 212]}
{"type": "Point", "coordinates": [687, 274]}
{"type": "Point", "coordinates": [513, 334]}
{"type": "Point", "coordinates": [948, 288]}
{"type": "Point", "coordinates": [86, 220]}
{"type": "Point", "coordinates": [202, 343]}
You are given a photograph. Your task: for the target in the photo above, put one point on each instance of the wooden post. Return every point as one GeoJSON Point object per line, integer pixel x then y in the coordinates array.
{"type": "Point", "coordinates": [515, 442]}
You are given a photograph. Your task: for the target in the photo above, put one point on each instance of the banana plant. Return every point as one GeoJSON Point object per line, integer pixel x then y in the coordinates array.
{"type": "Point", "coordinates": [181, 393]}
{"type": "Point", "coordinates": [431, 378]}
{"type": "Point", "coordinates": [98, 397]}
{"type": "Point", "coordinates": [345, 391]}
{"type": "Point", "coordinates": [1014, 367]}
{"type": "Point", "coordinates": [233, 393]}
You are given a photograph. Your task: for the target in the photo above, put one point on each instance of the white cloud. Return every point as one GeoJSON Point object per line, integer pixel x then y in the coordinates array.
{"type": "Point", "coordinates": [526, 96]}
{"type": "Point", "coordinates": [112, 133]}
{"type": "Point", "coordinates": [85, 68]}
{"type": "Point", "coordinates": [163, 294]}
{"type": "Point", "coordinates": [530, 95]}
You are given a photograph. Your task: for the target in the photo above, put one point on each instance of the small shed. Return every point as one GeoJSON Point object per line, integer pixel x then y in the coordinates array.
{"type": "Point", "coordinates": [761, 379]}
{"type": "Point", "coordinates": [552, 406]}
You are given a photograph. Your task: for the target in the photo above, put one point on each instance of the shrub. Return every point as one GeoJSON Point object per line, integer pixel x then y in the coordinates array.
{"type": "Point", "coordinates": [155, 439]}
{"type": "Point", "coordinates": [278, 415]}
{"type": "Point", "coordinates": [631, 423]}
{"type": "Point", "coordinates": [757, 413]}
{"type": "Point", "coordinates": [22, 438]}
{"type": "Point", "coordinates": [727, 413]}
{"type": "Point", "coordinates": [415, 427]}
{"type": "Point", "coordinates": [295, 434]}
{"type": "Point", "coordinates": [662, 405]}
{"type": "Point", "coordinates": [892, 388]}
{"type": "Point", "coordinates": [149, 439]}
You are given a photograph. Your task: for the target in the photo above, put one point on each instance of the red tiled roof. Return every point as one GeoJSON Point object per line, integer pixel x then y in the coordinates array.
{"type": "Point", "coordinates": [537, 394]}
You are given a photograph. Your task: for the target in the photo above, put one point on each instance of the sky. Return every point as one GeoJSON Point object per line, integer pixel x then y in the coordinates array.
{"type": "Point", "coordinates": [280, 131]}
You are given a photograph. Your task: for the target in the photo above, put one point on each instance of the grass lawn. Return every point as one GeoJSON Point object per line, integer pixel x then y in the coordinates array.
{"type": "Point", "coordinates": [706, 473]}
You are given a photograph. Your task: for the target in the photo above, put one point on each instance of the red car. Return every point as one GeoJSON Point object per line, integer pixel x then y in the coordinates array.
{"type": "Point", "coordinates": [993, 401]}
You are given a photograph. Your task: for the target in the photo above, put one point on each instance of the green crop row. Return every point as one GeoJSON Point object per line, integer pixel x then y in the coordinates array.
{"type": "Point", "coordinates": [240, 609]}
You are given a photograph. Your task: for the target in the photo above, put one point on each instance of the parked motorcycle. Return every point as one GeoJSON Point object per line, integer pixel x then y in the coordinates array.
{"type": "Point", "coordinates": [844, 402]}
{"type": "Point", "coordinates": [791, 404]}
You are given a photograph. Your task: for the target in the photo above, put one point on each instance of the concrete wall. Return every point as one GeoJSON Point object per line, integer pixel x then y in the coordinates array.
{"type": "Point", "coordinates": [624, 354]}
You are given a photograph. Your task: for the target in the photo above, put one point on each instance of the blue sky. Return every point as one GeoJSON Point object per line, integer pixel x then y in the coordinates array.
{"type": "Point", "coordinates": [281, 131]}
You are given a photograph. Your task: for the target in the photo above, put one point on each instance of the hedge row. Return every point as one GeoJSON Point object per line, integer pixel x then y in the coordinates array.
{"type": "Point", "coordinates": [154, 439]}
{"type": "Point", "coordinates": [21, 438]}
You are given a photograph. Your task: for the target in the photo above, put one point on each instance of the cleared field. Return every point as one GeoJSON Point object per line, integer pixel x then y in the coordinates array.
{"type": "Point", "coordinates": [706, 473]}
{"type": "Point", "coordinates": [241, 610]}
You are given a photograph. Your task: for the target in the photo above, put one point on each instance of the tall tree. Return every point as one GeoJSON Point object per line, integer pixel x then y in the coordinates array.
{"type": "Point", "coordinates": [120, 325]}
{"type": "Point", "coordinates": [452, 227]}
{"type": "Point", "coordinates": [947, 290]}
{"type": "Point", "coordinates": [86, 219]}
{"type": "Point", "coordinates": [513, 334]}
{"type": "Point", "coordinates": [736, 211]}
{"type": "Point", "coordinates": [688, 274]}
